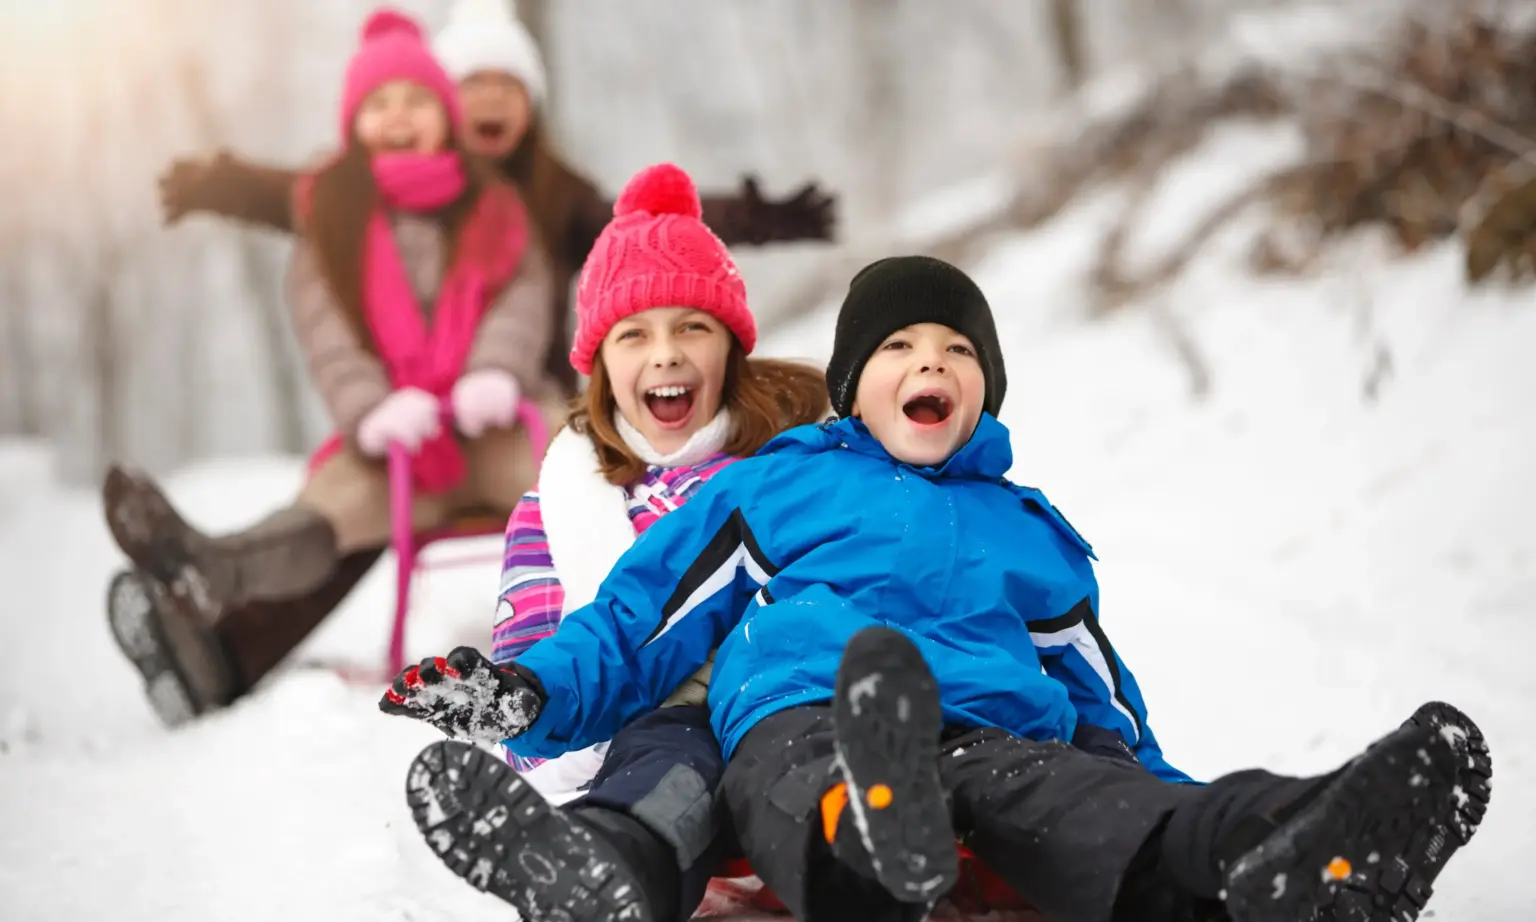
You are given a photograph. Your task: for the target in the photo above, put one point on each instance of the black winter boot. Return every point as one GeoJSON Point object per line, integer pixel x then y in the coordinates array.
{"type": "Point", "coordinates": [1474, 782]}
{"type": "Point", "coordinates": [1362, 844]}
{"type": "Point", "coordinates": [888, 722]}
{"type": "Point", "coordinates": [491, 828]}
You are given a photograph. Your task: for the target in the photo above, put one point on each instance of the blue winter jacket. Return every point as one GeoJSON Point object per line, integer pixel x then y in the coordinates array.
{"type": "Point", "coordinates": [784, 556]}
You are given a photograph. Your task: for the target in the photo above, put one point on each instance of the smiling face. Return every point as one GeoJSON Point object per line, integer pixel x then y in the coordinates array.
{"type": "Point", "coordinates": [402, 117]}
{"type": "Point", "coordinates": [497, 113]}
{"type": "Point", "coordinates": [921, 393]}
{"type": "Point", "coordinates": [666, 367]}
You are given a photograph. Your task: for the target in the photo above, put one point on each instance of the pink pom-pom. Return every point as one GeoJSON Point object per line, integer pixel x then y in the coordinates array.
{"type": "Point", "coordinates": [660, 189]}
{"type": "Point", "coordinates": [386, 22]}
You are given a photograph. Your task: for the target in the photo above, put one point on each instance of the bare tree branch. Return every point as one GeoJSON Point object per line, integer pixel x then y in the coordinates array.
{"type": "Point", "coordinates": [1067, 35]}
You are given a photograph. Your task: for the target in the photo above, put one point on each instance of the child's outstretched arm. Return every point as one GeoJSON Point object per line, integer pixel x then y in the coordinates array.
{"type": "Point", "coordinates": [1076, 652]}
{"type": "Point", "coordinates": [670, 600]}
{"type": "Point", "coordinates": [809, 213]}
{"type": "Point", "coordinates": [742, 216]}
{"type": "Point", "coordinates": [251, 193]}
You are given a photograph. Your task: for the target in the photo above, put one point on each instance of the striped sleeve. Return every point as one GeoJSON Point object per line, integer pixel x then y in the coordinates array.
{"type": "Point", "coordinates": [528, 608]}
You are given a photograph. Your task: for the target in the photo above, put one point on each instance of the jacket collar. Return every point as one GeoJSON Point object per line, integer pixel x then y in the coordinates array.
{"type": "Point", "coordinates": [987, 455]}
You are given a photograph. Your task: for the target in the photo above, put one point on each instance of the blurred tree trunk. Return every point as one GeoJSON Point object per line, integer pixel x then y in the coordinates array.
{"type": "Point", "coordinates": [19, 387]}
{"type": "Point", "coordinates": [535, 15]}
{"type": "Point", "coordinates": [877, 126]}
{"type": "Point", "coordinates": [261, 285]}
{"type": "Point", "coordinates": [18, 364]}
{"type": "Point", "coordinates": [17, 413]}
{"type": "Point", "coordinates": [1067, 35]}
{"type": "Point", "coordinates": [1172, 28]}
{"type": "Point", "coordinates": [102, 335]}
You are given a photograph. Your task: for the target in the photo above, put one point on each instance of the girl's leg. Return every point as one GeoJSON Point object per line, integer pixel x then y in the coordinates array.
{"type": "Point", "coordinates": [188, 668]}
{"type": "Point", "coordinates": [663, 773]}
{"type": "Point", "coordinates": [351, 493]}
{"type": "Point", "coordinates": [204, 618]}
{"type": "Point", "coordinates": [640, 845]}
{"type": "Point", "coordinates": [286, 554]}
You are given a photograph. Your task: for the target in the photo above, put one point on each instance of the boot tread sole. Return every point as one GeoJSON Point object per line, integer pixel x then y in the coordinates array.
{"type": "Point", "coordinates": [132, 602]}
{"type": "Point", "coordinates": [888, 721]}
{"type": "Point", "coordinates": [491, 828]}
{"type": "Point", "coordinates": [1385, 805]}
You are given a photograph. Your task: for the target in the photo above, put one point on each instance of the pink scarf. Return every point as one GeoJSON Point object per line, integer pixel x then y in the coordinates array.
{"type": "Point", "coordinates": [488, 253]}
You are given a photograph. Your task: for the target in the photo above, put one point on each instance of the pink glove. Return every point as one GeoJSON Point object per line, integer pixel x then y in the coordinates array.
{"type": "Point", "coordinates": [485, 399]}
{"type": "Point", "coordinates": [409, 416]}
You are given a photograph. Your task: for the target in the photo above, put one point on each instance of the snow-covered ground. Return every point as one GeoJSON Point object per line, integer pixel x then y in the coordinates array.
{"type": "Point", "coordinates": [1289, 564]}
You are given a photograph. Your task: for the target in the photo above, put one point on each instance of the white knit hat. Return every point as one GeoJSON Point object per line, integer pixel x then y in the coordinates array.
{"type": "Point", "coordinates": [485, 35]}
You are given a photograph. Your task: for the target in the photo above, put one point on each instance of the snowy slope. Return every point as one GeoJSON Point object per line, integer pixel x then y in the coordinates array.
{"type": "Point", "coordinates": [1289, 566]}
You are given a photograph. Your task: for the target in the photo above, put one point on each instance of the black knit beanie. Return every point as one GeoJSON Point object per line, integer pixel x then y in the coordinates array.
{"type": "Point", "coordinates": [897, 292]}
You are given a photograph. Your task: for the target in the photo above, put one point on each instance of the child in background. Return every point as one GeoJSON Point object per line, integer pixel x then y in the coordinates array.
{"type": "Point", "coordinates": [418, 280]}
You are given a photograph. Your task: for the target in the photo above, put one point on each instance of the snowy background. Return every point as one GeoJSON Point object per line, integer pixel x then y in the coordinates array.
{"type": "Point", "coordinates": [1336, 529]}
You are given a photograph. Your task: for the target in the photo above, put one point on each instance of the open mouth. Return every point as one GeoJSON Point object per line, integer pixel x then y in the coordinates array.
{"type": "Point", "coordinates": [400, 144]}
{"type": "Point", "coordinates": [671, 404]}
{"type": "Point", "coordinates": [489, 131]}
{"type": "Point", "coordinates": [928, 409]}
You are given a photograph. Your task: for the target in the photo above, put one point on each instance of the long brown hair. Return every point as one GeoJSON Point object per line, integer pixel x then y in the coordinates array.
{"type": "Point", "coordinates": [554, 193]}
{"type": "Point", "coordinates": [765, 397]}
{"type": "Point", "coordinates": [335, 220]}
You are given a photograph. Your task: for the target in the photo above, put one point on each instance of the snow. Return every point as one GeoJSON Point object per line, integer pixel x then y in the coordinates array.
{"type": "Point", "coordinates": [1290, 563]}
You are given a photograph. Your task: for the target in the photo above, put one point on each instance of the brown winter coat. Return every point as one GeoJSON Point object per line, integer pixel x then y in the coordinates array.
{"type": "Point", "coordinates": [514, 334]}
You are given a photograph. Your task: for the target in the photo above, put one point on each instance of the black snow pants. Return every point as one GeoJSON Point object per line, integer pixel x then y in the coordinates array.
{"type": "Point", "coordinates": [1061, 826]}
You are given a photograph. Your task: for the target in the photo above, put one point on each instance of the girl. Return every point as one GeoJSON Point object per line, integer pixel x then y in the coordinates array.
{"type": "Point", "coordinates": [903, 643]}
{"type": "Point", "coordinates": [418, 283]}
{"type": "Point", "coordinates": [501, 84]}
{"type": "Point", "coordinates": [664, 332]}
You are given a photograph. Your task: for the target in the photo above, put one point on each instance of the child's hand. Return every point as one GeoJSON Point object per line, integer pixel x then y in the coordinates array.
{"type": "Point", "coordinates": [409, 416]}
{"type": "Point", "coordinates": [466, 696]}
{"type": "Point", "coordinates": [809, 213]}
{"type": "Point", "coordinates": [485, 399]}
{"type": "Point", "coordinates": [182, 187]}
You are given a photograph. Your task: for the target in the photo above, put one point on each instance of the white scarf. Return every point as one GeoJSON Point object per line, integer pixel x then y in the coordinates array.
{"type": "Point", "coordinates": [586, 518]}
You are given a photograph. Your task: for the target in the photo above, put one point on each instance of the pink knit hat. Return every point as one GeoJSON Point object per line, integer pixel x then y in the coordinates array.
{"type": "Point", "coordinates": [393, 47]}
{"type": "Point", "coordinates": [657, 253]}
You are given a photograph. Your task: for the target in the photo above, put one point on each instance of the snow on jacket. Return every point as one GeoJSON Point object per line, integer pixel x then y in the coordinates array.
{"type": "Point", "coordinates": [562, 540]}
{"type": "Point", "coordinates": [786, 555]}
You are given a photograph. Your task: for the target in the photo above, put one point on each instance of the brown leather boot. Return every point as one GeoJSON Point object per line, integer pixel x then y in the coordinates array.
{"type": "Point", "coordinates": [286, 555]}
{"type": "Point", "coordinates": [162, 631]}
{"type": "Point", "coordinates": [191, 667]}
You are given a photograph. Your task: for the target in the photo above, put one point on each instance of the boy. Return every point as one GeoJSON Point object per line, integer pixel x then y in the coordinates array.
{"type": "Point", "coordinates": [907, 641]}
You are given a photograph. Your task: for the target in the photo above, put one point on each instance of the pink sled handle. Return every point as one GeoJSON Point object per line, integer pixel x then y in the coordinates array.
{"type": "Point", "coordinates": [402, 536]}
